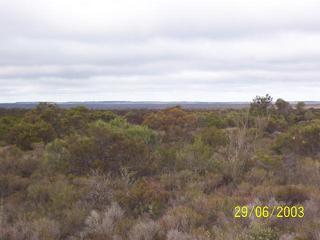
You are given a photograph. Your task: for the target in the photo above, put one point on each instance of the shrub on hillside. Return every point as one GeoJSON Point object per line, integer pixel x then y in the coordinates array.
{"type": "Point", "coordinates": [301, 139]}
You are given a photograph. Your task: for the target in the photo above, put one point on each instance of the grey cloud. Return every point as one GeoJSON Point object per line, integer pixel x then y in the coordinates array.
{"type": "Point", "coordinates": [158, 50]}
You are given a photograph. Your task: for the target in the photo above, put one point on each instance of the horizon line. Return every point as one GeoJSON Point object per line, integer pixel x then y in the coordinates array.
{"type": "Point", "coordinates": [148, 101]}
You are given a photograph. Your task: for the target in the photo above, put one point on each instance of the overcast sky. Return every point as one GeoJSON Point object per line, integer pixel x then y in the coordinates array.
{"type": "Point", "coordinates": [161, 50]}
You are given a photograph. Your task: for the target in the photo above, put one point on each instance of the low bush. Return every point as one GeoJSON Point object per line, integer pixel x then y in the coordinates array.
{"type": "Point", "coordinates": [260, 231]}
{"type": "Point", "coordinates": [301, 139]}
{"type": "Point", "coordinates": [144, 197]}
{"type": "Point", "coordinates": [292, 195]}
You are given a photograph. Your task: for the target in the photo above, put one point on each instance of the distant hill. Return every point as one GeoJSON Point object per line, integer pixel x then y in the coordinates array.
{"type": "Point", "coordinates": [121, 105]}
{"type": "Point", "coordinates": [134, 105]}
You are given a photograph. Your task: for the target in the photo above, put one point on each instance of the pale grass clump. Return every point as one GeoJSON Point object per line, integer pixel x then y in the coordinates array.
{"type": "Point", "coordinates": [229, 234]}
{"type": "Point", "coordinates": [46, 229]}
{"type": "Point", "coordinates": [238, 153]}
{"type": "Point", "coordinates": [146, 230]}
{"type": "Point", "coordinates": [176, 235]}
{"type": "Point", "coordinates": [287, 237]}
{"type": "Point", "coordinates": [21, 229]}
{"type": "Point", "coordinates": [312, 213]}
{"type": "Point", "coordinates": [181, 218]}
{"type": "Point", "coordinates": [103, 225]}
{"type": "Point", "coordinates": [312, 208]}
{"type": "Point", "coordinates": [101, 192]}
{"type": "Point", "coordinates": [18, 231]}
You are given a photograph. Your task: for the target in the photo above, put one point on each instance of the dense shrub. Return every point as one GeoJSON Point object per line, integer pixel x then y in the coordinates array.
{"type": "Point", "coordinates": [213, 119]}
{"type": "Point", "coordinates": [199, 155]}
{"type": "Point", "coordinates": [103, 225]}
{"type": "Point", "coordinates": [301, 139]}
{"type": "Point", "coordinates": [292, 195]}
{"type": "Point", "coordinates": [53, 196]}
{"type": "Point", "coordinates": [144, 197]}
{"type": "Point", "coordinates": [104, 146]}
{"type": "Point", "coordinates": [10, 184]}
{"type": "Point", "coordinates": [275, 124]}
{"type": "Point", "coordinates": [24, 134]}
{"type": "Point", "coordinates": [261, 105]}
{"type": "Point", "coordinates": [213, 137]}
{"type": "Point", "coordinates": [16, 162]}
{"type": "Point", "coordinates": [6, 124]}
{"type": "Point", "coordinates": [183, 219]}
{"type": "Point", "coordinates": [176, 174]}
{"type": "Point", "coordinates": [147, 230]}
{"type": "Point", "coordinates": [175, 122]}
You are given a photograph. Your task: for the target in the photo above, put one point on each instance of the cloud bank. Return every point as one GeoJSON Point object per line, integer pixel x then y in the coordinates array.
{"type": "Point", "coordinates": [160, 50]}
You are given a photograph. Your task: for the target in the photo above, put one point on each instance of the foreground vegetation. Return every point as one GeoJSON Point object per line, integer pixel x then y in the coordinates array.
{"type": "Point", "coordinates": [170, 174]}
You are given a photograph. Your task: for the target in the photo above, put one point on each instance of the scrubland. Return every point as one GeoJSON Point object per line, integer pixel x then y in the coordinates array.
{"type": "Point", "coordinates": [173, 174]}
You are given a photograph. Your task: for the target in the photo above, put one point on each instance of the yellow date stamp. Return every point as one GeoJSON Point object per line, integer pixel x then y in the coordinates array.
{"type": "Point", "coordinates": [269, 211]}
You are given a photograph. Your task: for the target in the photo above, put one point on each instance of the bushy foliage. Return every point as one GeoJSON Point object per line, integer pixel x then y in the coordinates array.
{"type": "Point", "coordinates": [144, 197]}
{"type": "Point", "coordinates": [52, 196]}
{"type": "Point", "coordinates": [175, 122]}
{"type": "Point", "coordinates": [6, 124]}
{"type": "Point", "coordinates": [182, 219]}
{"type": "Point", "coordinates": [24, 134]}
{"type": "Point", "coordinates": [103, 225]}
{"type": "Point", "coordinates": [147, 230]}
{"type": "Point", "coordinates": [214, 119]}
{"type": "Point", "coordinates": [276, 124]}
{"type": "Point", "coordinates": [261, 104]}
{"type": "Point", "coordinates": [283, 107]}
{"type": "Point", "coordinates": [104, 146]}
{"type": "Point", "coordinates": [167, 174]}
{"type": "Point", "coordinates": [199, 155]}
{"type": "Point", "coordinates": [301, 139]}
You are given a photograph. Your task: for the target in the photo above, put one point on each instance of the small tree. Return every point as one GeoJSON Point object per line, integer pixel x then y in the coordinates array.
{"type": "Point", "coordinates": [283, 107]}
{"type": "Point", "coordinates": [300, 107]}
{"type": "Point", "coordinates": [261, 104]}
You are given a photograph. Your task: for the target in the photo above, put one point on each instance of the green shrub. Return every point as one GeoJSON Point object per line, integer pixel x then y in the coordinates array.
{"type": "Point", "coordinates": [24, 134]}
{"type": "Point", "coordinates": [198, 156]}
{"type": "Point", "coordinates": [165, 158]}
{"type": "Point", "coordinates": [57, 156]}
{"type": "Point", "coordinates": [301, 139]}
{"type": "Point", "coordinates": [144, 197]}
{"type": "Point", "coordinates": [176, 123]}
{"type": "Point", "coordinates": [261, 105]}
{"type": "Point", "coordinates": [6, 124]}
{"type": "Point", "coordinates": [16, 162]}
{"type": "Point", "coordinates": [53, 197]}
{"type": "Point", "coordinates": [213, 137]}
{"type": "Point", "coordinates": [214, 120]}
{"type": "Point", "coordinates": [104, 146]}
{"type": "Point", "coordinates": [276, 123]}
